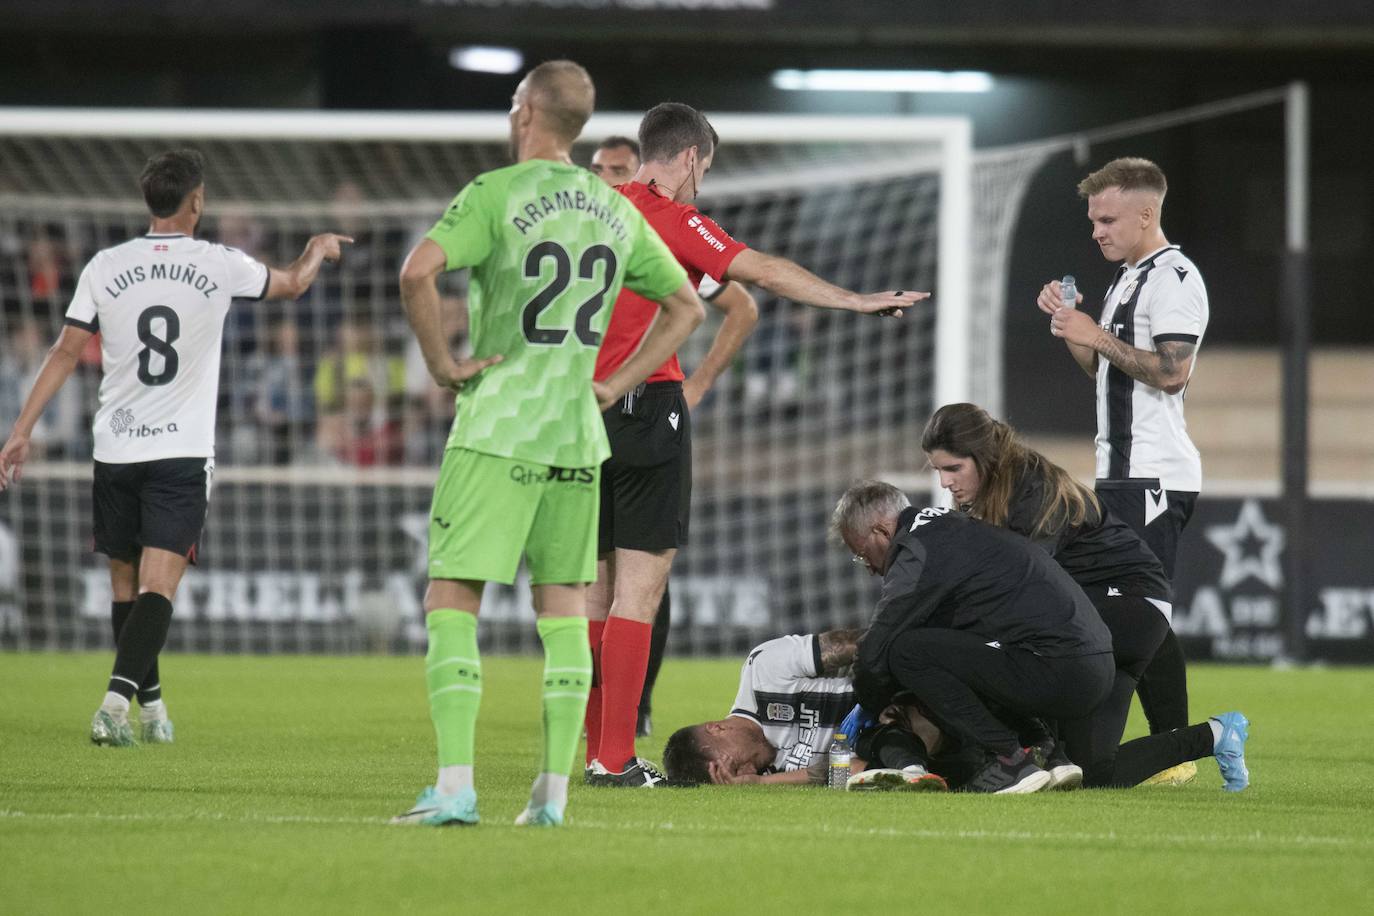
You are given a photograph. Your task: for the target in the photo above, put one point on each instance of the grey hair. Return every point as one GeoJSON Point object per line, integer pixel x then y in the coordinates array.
{"type": "Point", "coordinates": [861, 503]}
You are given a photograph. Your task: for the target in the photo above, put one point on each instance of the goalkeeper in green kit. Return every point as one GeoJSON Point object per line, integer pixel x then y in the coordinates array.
{"type": "Point", "coordinates": [549, 245]}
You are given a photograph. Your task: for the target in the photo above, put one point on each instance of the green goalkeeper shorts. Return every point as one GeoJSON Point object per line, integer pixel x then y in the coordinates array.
{"type": "Point", "coordinates": [488, 511]}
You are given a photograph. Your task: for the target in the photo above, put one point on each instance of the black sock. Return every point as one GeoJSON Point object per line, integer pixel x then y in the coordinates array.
{"type": "Point", "coordinates": [658, 644]}
{"type": "Point", "coordinates": [892, 747]}
{"type": "Point", "coordinates": [1163, 688]}
{"type": "Point", "coordinates": [140, 640]}
{"type": "Point", "coordinates": [119, 613]}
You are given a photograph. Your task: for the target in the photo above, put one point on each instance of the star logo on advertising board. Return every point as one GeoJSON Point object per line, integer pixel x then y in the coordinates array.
{"type": "Point", "coordinates": [1253, 546]}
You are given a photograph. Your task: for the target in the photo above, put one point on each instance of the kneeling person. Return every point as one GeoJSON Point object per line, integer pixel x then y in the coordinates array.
{"type": "Point", "coordinates": [971, 615]}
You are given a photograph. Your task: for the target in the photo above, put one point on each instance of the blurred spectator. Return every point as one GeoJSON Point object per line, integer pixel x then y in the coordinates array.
{"type": "Point", "coordinates": [61, 430]}
{"type": "Point", "coordinates": [358, 357]}
{"type": "Point", "coordinates": [283, 404]}
{"type": "Point", "coordinates": [774, 360]}
{"type": "Point", "coordinates": [238, 229]}
{"type": "Point", "coordinates": [44, 259]}
{"type": "Point", "coordinates": [429, 408]}
{"type": "Point", "coordinates": [363, 435]}
{"type": "Point", "coordinates": [347, 209]}
{"type": "Point", "coordinates": [366, 278]}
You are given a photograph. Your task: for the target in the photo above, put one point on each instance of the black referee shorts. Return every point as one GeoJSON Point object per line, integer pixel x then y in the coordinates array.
{"type": "Point", "coordinates": [646, 484]}
{"type": "Point", "coordinates": [159, 503]}
{"type": "Point", "coordinates": [1156, 514]}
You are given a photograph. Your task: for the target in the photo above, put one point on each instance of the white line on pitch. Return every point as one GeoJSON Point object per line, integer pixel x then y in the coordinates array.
{"type": "Point", "coordinates": [1254, 838]}
{"type": "Point", "coordinates": [1257, 838]}
{"type": "Point", "coordinates": [190, 816]}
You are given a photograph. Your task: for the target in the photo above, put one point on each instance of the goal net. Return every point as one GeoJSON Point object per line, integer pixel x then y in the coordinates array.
{"type": "Point", "coordinates": [330, 432]}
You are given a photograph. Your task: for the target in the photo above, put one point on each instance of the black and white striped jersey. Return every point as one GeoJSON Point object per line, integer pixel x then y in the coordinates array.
{"type": "Point", "coordinates": [159, 303]}
{"type": "Point", "coordinates": [1141, 433]}
{"type": "Point", "coordinates": [781, 688]}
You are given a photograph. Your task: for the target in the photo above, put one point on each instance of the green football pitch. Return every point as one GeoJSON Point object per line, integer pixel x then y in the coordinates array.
{"type": "Point", "coordinates": [276, 794]}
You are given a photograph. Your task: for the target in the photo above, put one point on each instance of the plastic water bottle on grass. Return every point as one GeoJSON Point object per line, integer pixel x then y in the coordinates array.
{"type": "Point", "coordinates": [839, 761]}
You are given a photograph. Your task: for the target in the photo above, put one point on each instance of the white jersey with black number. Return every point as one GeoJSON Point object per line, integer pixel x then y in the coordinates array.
{"type": "Point", "coordinates": [159, 303]}
{"type": "Point", "coordinates": [1141, 433]}
{"type": "Point", "coordinates": [780, 688]}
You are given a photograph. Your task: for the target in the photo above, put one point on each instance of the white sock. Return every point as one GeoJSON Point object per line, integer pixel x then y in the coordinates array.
{"type": "Point", "coordinates": [152, 712]}
{"type": "Point", "coordinates": [550, 789]}
{"type": "Point", "coordinates": [454, 779]}
{"type": "Point", "coordinates": [1216, 731]}
{"type": "Point", "coordinates": [116, 705]}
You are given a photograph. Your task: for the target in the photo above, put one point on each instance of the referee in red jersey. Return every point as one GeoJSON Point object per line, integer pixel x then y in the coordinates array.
{"type": "Point", "coordinates": [646, 483]}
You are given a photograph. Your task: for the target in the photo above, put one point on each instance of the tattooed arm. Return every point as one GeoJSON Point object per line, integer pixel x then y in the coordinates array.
{"type": "Point", "coordinates": [1166, 368]}
{"type": "Point", "coordinates": [838, 649]}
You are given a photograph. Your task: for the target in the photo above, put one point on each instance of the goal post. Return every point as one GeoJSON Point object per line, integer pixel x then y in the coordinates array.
{"type": "Point", "coordinates": [316, 546]}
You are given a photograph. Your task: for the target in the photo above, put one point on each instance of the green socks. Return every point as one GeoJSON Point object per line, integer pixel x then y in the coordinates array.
{"type": "Point", "coordinates": [453, 673]}
{"type": "Point", "coordinates": [567, 679]}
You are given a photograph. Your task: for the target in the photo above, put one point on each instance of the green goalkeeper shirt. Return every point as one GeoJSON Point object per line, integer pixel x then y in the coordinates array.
{"type": "Point", "coordinates": [550, 246]}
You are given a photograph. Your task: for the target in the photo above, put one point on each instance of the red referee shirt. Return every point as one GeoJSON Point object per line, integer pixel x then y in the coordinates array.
{"type": "Point", "coordinates": [699, 245]}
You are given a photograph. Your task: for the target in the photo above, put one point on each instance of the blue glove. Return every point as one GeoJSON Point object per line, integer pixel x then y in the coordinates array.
{"type": "Point", "coordinates": [857, 720]}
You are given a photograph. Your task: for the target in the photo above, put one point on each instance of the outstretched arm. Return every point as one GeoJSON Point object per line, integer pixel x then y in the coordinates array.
{"type": "Point", "coordinates": [56, 369]}
{"type": "Point", "coordinates": [292, 282]}
{"type": "Point", "coordinates": [741, 314]}
{"type": "Point", "coordinates": [792, 281]}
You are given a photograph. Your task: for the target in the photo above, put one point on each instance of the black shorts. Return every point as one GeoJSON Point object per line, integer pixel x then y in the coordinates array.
{"type": "Point", "coordinates": [158, 504]}
{"type": "Point", "coordinates": [1157, 515]}
{"type": "Point", "coordinates": [646, 484]}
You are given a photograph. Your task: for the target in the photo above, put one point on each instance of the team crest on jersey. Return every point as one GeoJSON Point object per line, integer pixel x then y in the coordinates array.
{"type": "Point", "coordinates": [121, 420]}
{"type": "Point", "coordinates": [780, 712]}
{"type": "Point", "coordinates": [1128, 291]}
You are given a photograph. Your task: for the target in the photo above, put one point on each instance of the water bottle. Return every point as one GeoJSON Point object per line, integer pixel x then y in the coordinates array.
{"type": "Point", "coordinates": [1068, 291]}
{"type": "Point", "coordinates": [839, 761]}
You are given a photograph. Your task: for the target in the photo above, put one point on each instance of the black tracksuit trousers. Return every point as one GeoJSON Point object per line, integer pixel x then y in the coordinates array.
{"type": "Point", "coordinates": [956, 674]}
{"type": "Point", "coordinates": [1094, 741]}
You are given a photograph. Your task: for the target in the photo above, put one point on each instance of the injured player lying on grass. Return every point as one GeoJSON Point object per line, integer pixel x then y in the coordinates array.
{"type": "Point", "coordinates": [795, 693]}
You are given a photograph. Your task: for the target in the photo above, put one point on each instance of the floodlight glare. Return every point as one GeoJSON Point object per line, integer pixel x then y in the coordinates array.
{"type": "Point", "coordinates": [884, 80]}
{"type": "Point", "coordinates": [486, 59]}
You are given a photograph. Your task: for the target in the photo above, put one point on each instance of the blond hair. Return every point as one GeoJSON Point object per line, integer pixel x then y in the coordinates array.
{"type": "Point", "coordinates": [562, 90]}
{"type": "Point", "coordinates": [1128, 174]}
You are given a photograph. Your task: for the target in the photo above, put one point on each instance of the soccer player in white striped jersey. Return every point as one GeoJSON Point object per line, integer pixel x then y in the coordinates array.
{"type": "Point", "coordinates": [793, 693]}
{"type": "Point", "coordinates": [159, 303]}
{"type": "Point", "coordinates": [1141, 353]}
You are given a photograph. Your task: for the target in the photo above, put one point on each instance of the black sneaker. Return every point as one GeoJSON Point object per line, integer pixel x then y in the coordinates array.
{"type": "Point", "coordinates": [1049, 755]}
{"type": "Point", "coordinates": [1016, 774]}
{"type": "Point", "coordinates": [1064, 773]}
{"type": "Point", "coordinates": [643, 726]}
{"type": "Point", "coordinates": [638, 774]}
